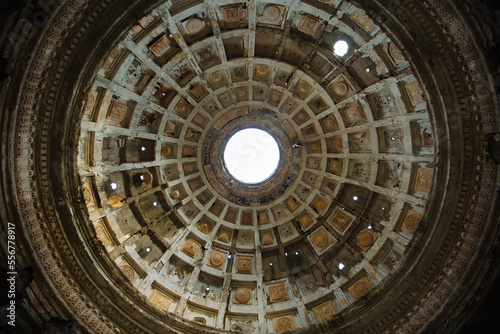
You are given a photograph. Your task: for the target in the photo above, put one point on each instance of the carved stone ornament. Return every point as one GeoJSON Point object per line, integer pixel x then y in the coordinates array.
{"type": "Point", "coordinates": [305, 220]}
{"type": "Point", "coordinates": [216, 77]}
{"type": "Point", "coordinates": [308, 24]}
{"type": "Point", "coordinates": [271, 13]}
{"type": "Point", "coordinates": [360, 288]}
{"type": "Point", "coordinates": [354, 115]}
{"type": "Point", "coordinates": [199, 120]}
{"type": "Point", "coordinates": [166, 150]}
{"type": "Point", "coordinates": [261, 71]}
{"type": "Point", "coordinates": [90, 103]}
{"type": "Point", "coordinates": [303, 87]}
{"type": "Point", "coordinates": [284, 324]}
{"type": "Point", "coordinates": [102, 234]}
{"type": "Point", "coordinates": [191, 247]}
{"type": "Point", "coordinates": [277, 293]}
{"type": "Point", "coordinates": [336, 166]}
{"type": "Point", "coordinates": [364, 21]}
{"type": "Point", "coordinates": [415, 93]}
{"type": "Point", "coordinates": [216, 259]}
{"type": "Point", "coordinates": [330, 123]}
{"type": "Point", "coordinates": [365, 239]}
{"type": "Point", "coordinates": [129, 272]}
{"type": "Point", "coordinates": [117, 110]}
{"type": "Point", "coordinates": [243, 296]}
{"type": "Point", "coordinates": [263, 218]}
{"type": "Point", "coordinates": [411, 221]}
{"type": "Point", "coordinates": [321, 240]}
{"type": "Point", "coordinates": [275, 97]}
{"type": "Point", "coordinates": [182, 108]}
{"type": "Point", "coordinates": [197, 91]}
{"type": "Point", "coordinates": [111, 59]}
{"type": "Point", "coordinates": [424, 180]}
{"type": "Point", "coordinates": [243, 265]}
{"type": "Point", "coordinates": [320, 205]}
{"type": "Point", "coordinates": [194, 26]}
{"type": "Point", "coordinates": [145, 21]}
{"type": "Point", "coordinates": [161, 301]}
{"type": "Point", "coordinates": [87, 312]}
{"type": "Point", "coordinates": [340, 220]}
{"type": "Point", "coordinates": [292, 204]}
{"type": "Point", "coordinates": [224, 236]}
{"type": "Point", "coordinates": [396, 54]}
{"type": "Point", "coordinates": [232, 14]}
{"type": "Point", "coordinates": [324, 312]}
{"type": "Point", "coordinates": [161, 46]}
{"type": "Point", "coordinates": [204, 227]}
{"type": "Point", "coordinates": [176, 194]}
{"type": "Point", "coordinates": [340, 89]}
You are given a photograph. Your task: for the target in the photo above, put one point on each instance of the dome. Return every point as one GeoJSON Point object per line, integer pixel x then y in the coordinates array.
{"type": "Point", "coordinates": [376, 122]}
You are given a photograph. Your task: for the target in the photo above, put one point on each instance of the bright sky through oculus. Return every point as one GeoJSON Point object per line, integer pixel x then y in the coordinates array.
{"type": "Point", "coordinates": [340, 48]}
{"type": "Point", "coordinates": [251, 155]}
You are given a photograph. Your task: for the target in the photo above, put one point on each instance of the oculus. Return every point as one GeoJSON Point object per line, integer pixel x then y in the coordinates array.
{"type": "Point", "coordinates": [251, 156]}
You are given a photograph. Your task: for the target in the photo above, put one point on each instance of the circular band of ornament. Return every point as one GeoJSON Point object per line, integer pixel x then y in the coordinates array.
{"type": "Point", "coordinates": [243, 295]}
{"type": "Point", "coordinates": [340, 89]}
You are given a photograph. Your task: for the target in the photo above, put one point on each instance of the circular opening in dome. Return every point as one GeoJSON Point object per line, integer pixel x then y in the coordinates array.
{"type": "Point", "coordinates": [251, 155]}
{"type": "Point", "coordinates": [340, 48]}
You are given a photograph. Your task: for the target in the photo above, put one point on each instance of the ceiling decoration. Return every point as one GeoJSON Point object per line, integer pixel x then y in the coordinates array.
{"type": "Point", "coordinates": [150, 219]}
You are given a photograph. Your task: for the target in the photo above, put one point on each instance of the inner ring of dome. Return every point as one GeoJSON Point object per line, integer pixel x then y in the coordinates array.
{"type": "Point", "coordinates": [251, 155]}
